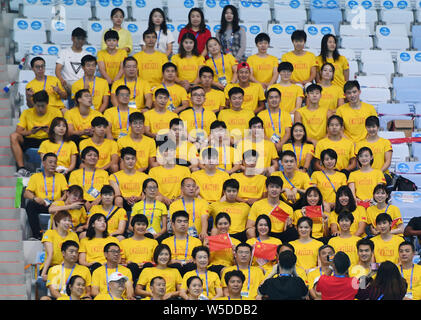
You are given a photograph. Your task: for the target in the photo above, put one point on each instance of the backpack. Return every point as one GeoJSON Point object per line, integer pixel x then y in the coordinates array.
{"type": "Point", "coordinates": [403, 184]}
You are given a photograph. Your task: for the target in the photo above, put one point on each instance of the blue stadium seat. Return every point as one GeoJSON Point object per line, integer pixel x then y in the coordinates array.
{"type": "Point", "coordinates": [326, 12]}
{"type": "Point", "coordinates": [407, 89]}
{"type": "Point", "coordinates": [388, 112]}
{"type": "Point", "coordinates": [416, 37]}
{"type": "Point", "coordinates": [417, 120]}
{"type": "Point", "coordinates": [408, 203]}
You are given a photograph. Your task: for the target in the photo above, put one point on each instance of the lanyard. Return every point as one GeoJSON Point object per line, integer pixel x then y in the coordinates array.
{"type": "Point", "coordinates": [223, 65]}
{"type": "Point", "coordinates": [320, 270]}
{"type": "Point", "coordinates": [339, 276]}
{"type": "Point", "coordinates": [59, 149]}
{"type": "Point", "coordinates": [93, 86]}
{"type": "Point", "coordinates": [197, 34]}
{"type": "Point", "coordinates": [109, 212]}
{"type": "Point", "coordinates": [412, 275]}
{"type": "Point", "coordinates": [279, 123]}
{"type": "Point", "coordinates": [153, 210]}
{"type": "Point", "coordinates": [63, 275]}
{"type": "Point", "coordinates": [207, 287]}
{"type": "Point", "coordinates": [195, 119]}
{"type": "Point", "coordinates": [106, 276]}
{"type": "Point", "coordinates": [387, 208]}
{"type": "Point", "coordinates": [194, 210]}
{"type": "Point", "coordinates": [187, 247]}
{"type": "Point", "coordinates": [92, 181]}
{"type": "Point", "coordinates": [45, 82]}
{"type": "Point", "coordinates": [285, 275]}
{"type": "Point", "coordinates": [168, 93]}
{"type": "Point", "coordinates": [289, 181]}
{"type": "Point", "coordinates": [45, 186]}
{"type": "Point", "coordinates": [301, 151]}
{"type": "Point", "coordinates": [327, 177]}
{"type": "Point", "coordinates": [119, 119]}
{"type": "Point", "coordinates": [135, 85]}
{"type": "Point", "coordinates": [248, 280]}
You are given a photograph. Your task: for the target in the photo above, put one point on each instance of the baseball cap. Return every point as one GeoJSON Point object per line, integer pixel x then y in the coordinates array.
{"type": "Point", "coordinates": [243, 65]}
{"type": "Point", "coordinates": [117, 276]}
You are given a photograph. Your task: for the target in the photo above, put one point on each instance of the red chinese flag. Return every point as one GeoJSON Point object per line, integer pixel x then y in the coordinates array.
{"type": "Point", "coordinates": [279, 214]}
{"type": "Point", "coordinates": [364, 204]}
{"type": "Point", "coordinates": [314, 211]}
{"type": "Point", "coordinates": [265, 250]}
{"type": "Point", "coordinates": [394, 222]}
{"type": "Point", "coordinates": [219, 242]}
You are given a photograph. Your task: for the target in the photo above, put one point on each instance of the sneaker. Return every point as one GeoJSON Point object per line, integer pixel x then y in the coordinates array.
{"type": "Point", "coordinates": [22, 173]}
{"type": "Point", "coordinates": [34, 239]}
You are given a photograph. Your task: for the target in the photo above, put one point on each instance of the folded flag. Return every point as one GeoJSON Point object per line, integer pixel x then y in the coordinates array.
{"type": "Point", "coordinates": [265, 250]}
{"type": "Point", "coordinates": [219, 242]}
{"type": "Point", "coordinates": [364, 204]}
{"type": "Point", "coordinates": [314, 211]}
{"type": "Point", "coordinates": [395, 221]}
{"type": "Point", "coordinates": [279, 214]}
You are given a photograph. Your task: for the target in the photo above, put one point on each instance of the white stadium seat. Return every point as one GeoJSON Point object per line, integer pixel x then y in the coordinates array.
{"type": "Point", "coordinates": [180, 8]}
{"type": "Point", "coordinates": [212, 9]}
{"type": "Point", "coordinates": [142, 8]}
{"type": "Point", "coordinates": [373, 68]}
{"type": "Point", "coordinates": [375, 95]}
{"type": "Point", "coordinates": [315, 33]}
{"type": "Point", "coordinates": [409, 63]}
{"type": "Point", "coordinates": [38, 9]}
{"type": "Point", "coordinates": [61, 31]}
{"type": "Point", "coordinates": [48, 52]}
{"type": "Point", "coordinates": [397, 11]}
{"type": "Point", "coordinates": [349, 54]}
{"type": "Point", "coordinates": [280, 35]}
{"type": "Point", "coordinates": [395, 111]}
{"type": "Point", "coordinates": [375, 55]}
{"type": "Point", "coordinates": [103, 8]}
{"type": "Point", "coordinates": [290, 11]}
{"type": "Point", "coordinates": [351, 31]}
{"type": "Point", "coordinates": [392, 37]}
{"type": "Point", "coordinates": [254, 11]}
{"type": "Point", "coordinates": [77, 9]}
{"type": "Point", "coordinates": [378, 81]}
{"type": "Point", "coordinates": [24, 33]}
{"type": "Point", "coordinates": [356, 43]}
{"type": "Point", "coordinates": [361, 12]}
{"type": "Point", "coordinates": [96, 29]}
{"type": "Point", "coordinates": [353, 69]}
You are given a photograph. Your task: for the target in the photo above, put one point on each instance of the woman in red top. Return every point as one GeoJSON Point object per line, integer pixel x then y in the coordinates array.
{"type": "Point", "coordinates": [197, 27]}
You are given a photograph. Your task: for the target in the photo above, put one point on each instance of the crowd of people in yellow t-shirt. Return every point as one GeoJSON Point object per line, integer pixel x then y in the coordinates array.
{"type": "Point", "coordinates": [157, 159]}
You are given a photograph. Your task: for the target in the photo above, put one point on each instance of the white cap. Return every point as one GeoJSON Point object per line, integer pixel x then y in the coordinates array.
{"type": "Point", "coordinates": [117, 276]}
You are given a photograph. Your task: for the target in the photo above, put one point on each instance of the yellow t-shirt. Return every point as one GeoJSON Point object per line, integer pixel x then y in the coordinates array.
{"type": "Point", "coordinates": [124, 39]}
{"type": "Point", "coordinates": [275, 122]}
{"type": "Point", "coordinates": [195, 209]}
{"type": "Point", "coordinates": [182, 250]}
{"type": "Point", "coordinates": [29, 119]}
{"type": "Point", "coordinates": [138, 90]}
{"type": "Point", "coordinates": [300, 152]}
{"type": "Point", "coordinates": [196, 122]}
{"type": "Point", "coordinates": [129, 185]}
{"type": "Point", "coordinates": [119, 121]}
{"type": "Point", "coordinates": [56, 240]}
{"type": "Point", "coordinates": [315, 122]}
{"type": "Point", "coordinates": [100, 277]}
{"type": "Point", "coordinates": [113, 222]}
{"type": "Point", "coordinates": [252, 95]}
{"type": "Point", "coordinates": [171, 275]}
{"type": "Point", "coordinates": [313, 275]}
{"type": "Point", "coordinates": [169, 180]}
{"type": "Point", "coordinates": [79, 216]}
{"type": "Point", "coordinates": [330, 96]}
{"type": "Point", "coordinates": [252, 282]}
{"type": "Point", "coordinates": [223, 257]}
{"type": "Point", "coordinates": [347, 245]}
{"type": "Point", "coordinates": [98, 88]}
{"type": "Point", "coordinates": [107, 149]}
{"type": "Point", "coordinates": [145, 149]}
{"type": "Point", "coordinates": [47, 84]}
{"type": "Point", "coordinates": [379, 148]}
{"type": "Point", "coordinates": [265, 149]}
{"type": "Point", "coordinates": [340, 65]}
{"type": "Point", "coordinates": [112, 61]}
{"type": "Point", "coordinates": [64, 157]}
{"type": "Point", "coordinates": [159, 122]}
{"type": "Point", "coordinates": [263, 67]}
{"type": "Point", "coordinates": [237, 122]}
{"type": "Point", "coordinates": [387, 250]}
{"type": "Point", "coordinates": [210, 281]}
{"type": "Point", "coordinates": [36, 184]}
{"type": "Point", "coordinates": [359, 214]}
{"type": "Point", "coordinates": [289, 95]}
{"type": "Point", "coordinates": [106, 296]}
{"type": "Point", "coordinates": [307, 253]}
{"type": "Point", "coordinates": [83, 178]}
{"type": "Point", "coordinates": [238, 212]}
{"type": "Point", "coordinates": [229, 62]}
{"type": "Point", "coordinates": [354, 120]}
{"type": "Point", "coordinates": [250, 187]}
{"type": "Point", "coordinates": [302, 64]}
{"type": "Point", "coordinates": [365, 182]}
{"type": "Point", "coordinates": [357, 271]}
{"type": "Point", "coordinates": [177, 94]}
{"type": "Point", "coordinates": [263, 207]}
{"type": "Point", "coordinates": [138, 251]}
{"type": "Point", "coordinates": [319, 179]}
{"type": "Point", "coordinates": [265, 264]}
{"type": "Point", "coordinates": [317, 229]}
{"type": "Point", "coordinates": [94, 248]}
{"type": "Point", "coordinates": [393, 211]}
{"type": "Point", "coordinates": [214, 100]}
{"type": "Point", "coordinates": [210, 185]}
{"type": "Point", "coordinates": [227, 157]}
{"type": "Point", "coordinates": [79, 122]}
{"type": "Point", "coordinates": [158, 210]}
{"type": "Point", "coordinates": [415, 281]}
{"type": "Point", "coordinates": [188, 67]}
{"type": "Point", "coordinates": [150, 66]}
{"type": "Point", "coordinates": [300, 180]}
{"type": "Point", "coordinates": [185, 152]}
{"type": "Point", "coordinates": [57, 278]}
{"type": "Point", "coordinates": [344, 149]}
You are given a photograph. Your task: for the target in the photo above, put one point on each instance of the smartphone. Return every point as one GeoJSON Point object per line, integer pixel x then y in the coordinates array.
{"type": "Point", "coordinates": [329, 258]}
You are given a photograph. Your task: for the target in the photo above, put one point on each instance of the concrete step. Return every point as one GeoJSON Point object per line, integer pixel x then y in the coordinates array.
{"type": "Point", "coordinates": [7, 202]}
{"type": "Point", "coordinates": [7, 180]}
{"type": "Point", "coordinates": [5, 121]}
{"type": "Point", "coordinates": [10, 235]}
{"type": "Point", "coordinates": [14, 277]}
{"type": "Point", "coordinates": [6, 130]}
{"type": "Point", "coordinates": [9, 223]}
{"type": "Point", "coordinates": [6, 159]}
{"type": "Point", "coordinates": [13, 291]}
{"type": "Point", "coordinates": [7, 170]}
{"type": "Point", "coordinates": [11, 266]}
{"type": "Point", "coordinates": [9, 245]}
{"type": "Point", "coordinates": [8, 191]}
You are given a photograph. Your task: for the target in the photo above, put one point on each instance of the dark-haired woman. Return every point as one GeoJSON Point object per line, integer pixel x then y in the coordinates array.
{"type": "Point", "coordinates": [165, 39]}
{"type": "Point", "coordinates": [124, 36]}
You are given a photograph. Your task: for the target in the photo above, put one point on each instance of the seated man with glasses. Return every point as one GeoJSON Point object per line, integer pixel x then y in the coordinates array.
{"type": "Point", "coordinates": [118, 116]}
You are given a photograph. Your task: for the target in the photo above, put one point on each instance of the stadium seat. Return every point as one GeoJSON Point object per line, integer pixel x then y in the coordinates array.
{"type": "Point", "coordinates": [326, 12]}
{"type": "Point", "coordinates": [378, 68]}
{"type": "Point", "coordinates": [375, 55]}
{"type": "Point", "coordinates": [356, 42]}
{"type": "Point", "coordinates": [375, 95]}
{"type": "Point", "coordinates": [96, 29]}
{"type": "Point", "coordinates": [315, 33]}
{"type": "Point", "coordinates": [392, 37]}
{"type": "Point", "coordinates": [252, 30]}
{"type": "Point", "coordinates": [290, 11]}
{"type": "Point", "coordinates": [376, 81]}
{"type": "Point", "coordinates": [361, 12]}
{"type": "Point", "coordinates": [38, 10]}
{"type": "Point", "coordinates": [136, 29]}
{"type": "Point", "coordinates": [254, 11]}
{"type": "Point", "coordinates": [418, 11]}
{"type": "Point", "coordinates": [14, 5]}
{"type": "Point", "coordinates": [103, 8]}
{"type": "Point", "coordinates": [61, 31]}
{"type": "Point", "coordinates": [397, 11]}
{"type": "Point", "coordinates": [408, 203]}
{"type": "Point", "coordinates": [24, 33]}
{"type": "Point", "coordinates": [77, 9]}
{"type": "Point", "coordinates": [350, 30]}
{"type": "Point", "coordinates": [178, 9]}
{"type": "Point", "coordinates": [407, 167]}
{"type": "Point", "coordinates": [388, 112]}
{"type": "Point", "coordinates": [349, 54]}
{"type": "Point", "coordinates": [280, 35]}
{"type": "Point", "coordinates": [142, 8]}
{"type": "Point", "coordinates": [353, 69]}
{"type": "Point", "coordinates": [212, 9]}
{"type": "Point", "coordinates": [416, 37]}
{"type": "Point", "coordinates": [400, 150]}
{"type": "Point", "coordinates": [406, 89]}
{"type": "Point", "coordinates": [93, 50]}
{"type": "Point", "coordinates": [409, 63]}
{"type": "Point", "coordinates": [417, 120]}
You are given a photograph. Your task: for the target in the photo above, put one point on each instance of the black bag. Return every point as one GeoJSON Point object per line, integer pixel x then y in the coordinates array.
{"type": "Point", "coordinates": [403, 184]}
